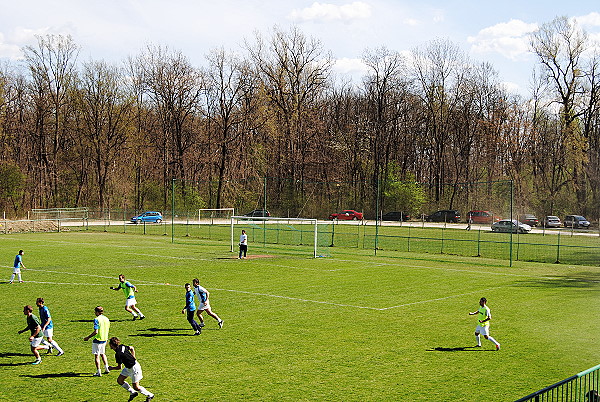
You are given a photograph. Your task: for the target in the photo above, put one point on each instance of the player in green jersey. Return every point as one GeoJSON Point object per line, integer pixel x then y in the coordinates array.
{"type": "Point", "coordinates": [483, 323]}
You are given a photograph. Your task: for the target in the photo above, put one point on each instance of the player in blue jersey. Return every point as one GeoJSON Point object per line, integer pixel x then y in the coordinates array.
{"type": "Point", "coordinates": [130, 303]}
{"type": "Point", "coordinates": [190, 308]}
{"type": "Point", "coordinates": [18, 264]}
{"type": "Point", "coordinates": [203, 303]}
{"type": "Point", "coordinates": [48, 326]}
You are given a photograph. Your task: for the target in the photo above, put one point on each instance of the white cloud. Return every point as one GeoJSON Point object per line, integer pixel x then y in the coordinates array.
{"type": "Point", "coordinates": [332, 12]}
{"type": "Point", "coordinates": [510, 39]}
{"type": "Point", "coordinates": [589, 20]}
{"type": "Point", "coordinates": [350, 66]}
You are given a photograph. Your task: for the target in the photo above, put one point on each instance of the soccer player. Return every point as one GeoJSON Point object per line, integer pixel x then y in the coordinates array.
{"type": "Point", "coordinates": [130, 303]}
{"type": "Point", "coordinates": [483, 323]}
{"type": "Point", "coordinates": [18, 264]}
{"type": "Point", "coordinates": [243, 244]}
{"type": "Point", "coordinates": [125, 355]}
{"type": "Point", "coordinates": [190, 307]}
{"type": "Point", "coordinates": [48, 326]}
{"type": "Point", "coordinates": [100, 335]}
{"type": "Point", "coordinates": [35, 340]}
{"type": "Point", "coordinates": [202, 295]}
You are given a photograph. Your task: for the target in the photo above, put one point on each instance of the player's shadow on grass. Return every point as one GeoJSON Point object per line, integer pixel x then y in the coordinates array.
{"type": "Point", "coordinates": [152, 332]}
{"type": "Point", "coordinates": [460, 349]}
{"type": "Point", "coordinates": [58, 375]}
{"type": "Point", "coordinates": [9, 355]}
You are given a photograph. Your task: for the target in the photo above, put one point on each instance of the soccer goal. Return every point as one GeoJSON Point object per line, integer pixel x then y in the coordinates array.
{"type": "Point", "coordinates": [210, 216]}
{"type": "Point", "coordinates": [273, 230]}
{"type": "Point", "coordinates": [80, 213]}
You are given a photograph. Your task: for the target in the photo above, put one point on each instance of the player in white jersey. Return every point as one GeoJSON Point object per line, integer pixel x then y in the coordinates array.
{"type": "Point", "coordinates": [204, 305]}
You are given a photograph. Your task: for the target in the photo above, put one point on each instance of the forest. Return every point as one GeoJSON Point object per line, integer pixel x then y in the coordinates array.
{"type": "Point", "coordinates": [270, 121]}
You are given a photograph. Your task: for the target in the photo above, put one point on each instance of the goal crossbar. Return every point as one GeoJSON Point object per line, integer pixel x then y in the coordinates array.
{"type": "Point", "coordinates": [273, 219]}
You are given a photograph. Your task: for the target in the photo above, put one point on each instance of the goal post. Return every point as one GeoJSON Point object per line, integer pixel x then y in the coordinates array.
{"type": "Point", "coordinates": [277, 224]}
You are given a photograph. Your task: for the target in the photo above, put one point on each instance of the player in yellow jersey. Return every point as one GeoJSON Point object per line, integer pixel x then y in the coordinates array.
{"type": "Point", "coordinates": [100, 337]}
{"type": "Point", "coordinates": [483, 323]}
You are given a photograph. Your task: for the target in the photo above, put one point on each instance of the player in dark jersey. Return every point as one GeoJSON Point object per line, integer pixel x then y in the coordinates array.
{"type": "Point", "coordinates": [125, 356]}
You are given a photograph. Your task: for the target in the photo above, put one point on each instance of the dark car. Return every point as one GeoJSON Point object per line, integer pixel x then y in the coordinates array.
{"type": "Point", "coordinates": [148, 217]}
{"type": "Point", "coordinates": [482, 217]}
{"type": "Point", "coordinates": [395, 216]}
{"type": "Point", "coordinates": [576, 221]}
{"type": "Point", "coordinates": [444, 215]}
{"type": "Point", "coordinates": [529, 219]}
{"type": "Point", "coordinates": [262, 213]}
{"type": "Point", "coordinates": [347, 214]}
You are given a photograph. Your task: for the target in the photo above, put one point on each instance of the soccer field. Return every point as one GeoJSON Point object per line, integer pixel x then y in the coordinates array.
{"type": "Point", "coordinates": [350, 326]}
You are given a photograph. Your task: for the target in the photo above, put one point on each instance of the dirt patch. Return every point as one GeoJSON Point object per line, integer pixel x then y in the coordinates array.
{"type": "Point", "coordinates": [28, 226]}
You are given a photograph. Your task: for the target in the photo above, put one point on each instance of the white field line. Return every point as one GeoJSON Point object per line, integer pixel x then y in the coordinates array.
{"type": "Point", "coordinates": [254, 293]}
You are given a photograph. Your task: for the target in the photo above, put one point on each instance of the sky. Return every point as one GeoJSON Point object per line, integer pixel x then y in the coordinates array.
{"type": "Point", "coordinates": [487, 31]}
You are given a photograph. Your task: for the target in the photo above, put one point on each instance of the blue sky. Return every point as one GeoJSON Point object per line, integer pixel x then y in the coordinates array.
{"type": "Point", "coordinates": [114, 29]}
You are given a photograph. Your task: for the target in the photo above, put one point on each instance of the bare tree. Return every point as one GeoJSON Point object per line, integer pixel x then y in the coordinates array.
{"type": "Point", "coordinates": [52, 64]}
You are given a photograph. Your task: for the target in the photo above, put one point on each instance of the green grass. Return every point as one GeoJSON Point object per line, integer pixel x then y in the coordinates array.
{"type": "Point", "coordinates": [347, 327]}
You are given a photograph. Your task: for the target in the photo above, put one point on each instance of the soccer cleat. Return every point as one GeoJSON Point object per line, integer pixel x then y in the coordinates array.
{"type": "Point", "coordinates": [49, 352]}
{"type": "Point", "coordinates": [133, 395]}
{"type": "Point", "coordinates": [149, 398]}
{"type": "Point", "coordinates": [197, 333]}
{"type": "Point", "coordinates": [201, 325]}
{"type": "Point", "coordinates": [37, 361]}
{"type": "Point", "coordinates": [477, 346]}
{"type": "Point", "coordinates": [60, 353]}
{"type": "Point", "coordinates": [142, 317]}
{"type": "Point", "coordinates": [106, 371]}
{"type": "Point", "coordinates": [97, 375]}
{"type": "Point", "coordinates": [497, 347]}
{"type": "Point", "coordinates": [134, 317]}
{"type": "Point", "coordinates": [220, 324]}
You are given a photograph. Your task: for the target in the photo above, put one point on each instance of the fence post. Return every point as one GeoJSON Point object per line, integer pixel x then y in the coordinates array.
{"type": "Point", "coordinates": [557, 249]}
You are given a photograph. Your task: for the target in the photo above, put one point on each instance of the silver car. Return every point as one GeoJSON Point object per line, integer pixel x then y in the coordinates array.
{"type": "Point", "coordinates": [507, 226]}
{"type": "Point", "coordinates": [552, 221]}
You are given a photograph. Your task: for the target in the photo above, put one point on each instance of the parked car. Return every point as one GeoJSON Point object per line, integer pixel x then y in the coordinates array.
{"type": "Point", "coordinates": [529, 219]}
{"type": "Point", "coordinates": [552, 221]}
{"type": "Point", "coordinates": [347, 214]}
{"type": "Point", "coordinates": [576, 221]}
{"type": "Point", "coordinates": [444, 215]}
{"type": "Point", "coordinates": [148, 217]}
{"type": "Point", "coordinates": [395, 216]}
{"type": "Point", "coordinates": [258, 213]}
{"type": "Point", "coordinates": [507, 226]}
{"type": "Point", "coordinates": [482, 217]}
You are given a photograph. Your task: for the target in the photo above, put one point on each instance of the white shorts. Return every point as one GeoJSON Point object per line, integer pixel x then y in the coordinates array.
{"type": "Point", "coordinates": [130, 302]}
{"type": "Point", "coordinates": [36, 342]}
{"type": "Point", "coordinates": [204, 306]}
{"type": "Point", "coordinates": [99, 348]}
{"type": "Point", "coordinates": [135, 373]}
{"type": "Point", "coordinates": [17, 270]}
{"type": "Point", "coordinates": [49, 332]}
{"type": "Point", "coordinates": [483, 329]}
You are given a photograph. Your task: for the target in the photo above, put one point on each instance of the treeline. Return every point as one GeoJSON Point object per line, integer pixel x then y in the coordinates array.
{"type": "Point", "coordinates": [89, 133]}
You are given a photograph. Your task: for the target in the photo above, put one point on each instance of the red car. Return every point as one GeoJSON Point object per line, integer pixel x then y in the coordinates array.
{"type": "Point", "coordinates": [482, 217]}
{"type": "Point", "coordinates": [347, 214]}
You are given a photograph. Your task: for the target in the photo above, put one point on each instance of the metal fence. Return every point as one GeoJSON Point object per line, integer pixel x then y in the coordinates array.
{"type": "Point", "coordinates": [580, 387]}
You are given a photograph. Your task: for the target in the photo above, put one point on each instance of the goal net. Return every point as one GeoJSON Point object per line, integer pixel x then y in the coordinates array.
{"type": "Point", "coordinates": [273, 230]}
{"type": "Point", "coordinates": [211, 216]}
{"type": "Point", "coordinates": [80, 213]}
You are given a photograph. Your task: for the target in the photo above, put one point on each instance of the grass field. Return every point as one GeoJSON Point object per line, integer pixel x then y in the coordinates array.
{"type": "Point", "coordinates": [347, 327]}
